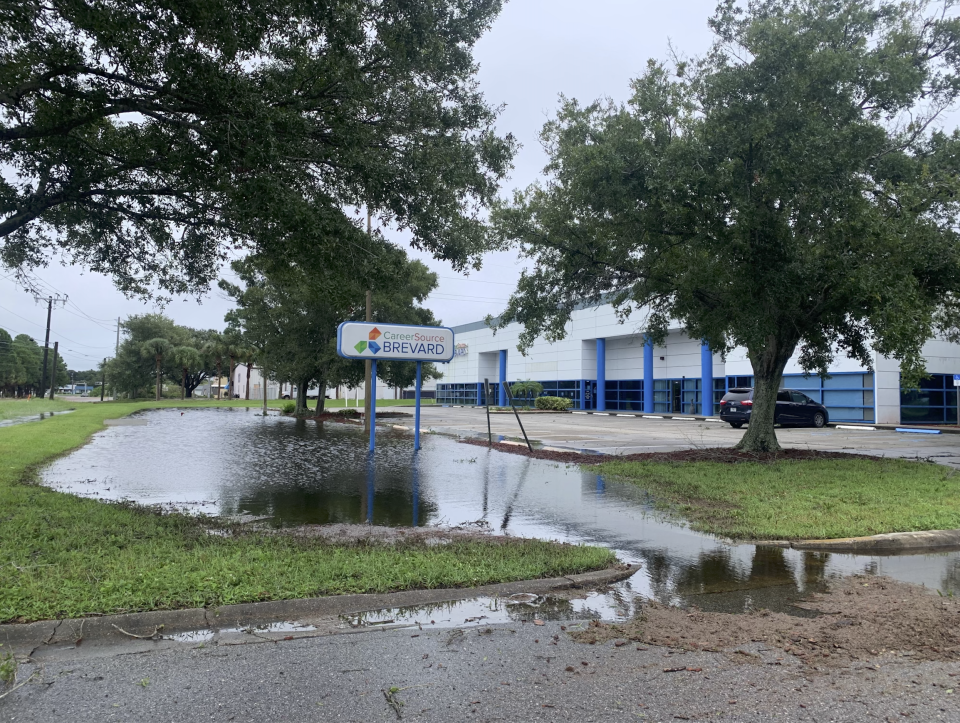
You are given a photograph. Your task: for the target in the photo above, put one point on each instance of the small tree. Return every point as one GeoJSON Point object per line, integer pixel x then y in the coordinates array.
{"type": "Point", "coordinates": [156, 349]}
{"type": "Point", "coordinates": [189, 360]}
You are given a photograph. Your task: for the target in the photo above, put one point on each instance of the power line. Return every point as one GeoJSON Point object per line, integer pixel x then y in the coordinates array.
{"type": "Point", "coordinates": [72, 341]}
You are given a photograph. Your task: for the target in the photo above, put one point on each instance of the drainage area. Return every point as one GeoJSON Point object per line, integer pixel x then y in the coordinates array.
{"type": "Point", "coordinates": [286, 473]}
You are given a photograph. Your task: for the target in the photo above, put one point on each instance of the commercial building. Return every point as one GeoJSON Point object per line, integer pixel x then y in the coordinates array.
{"type": "Point", "coordinates": [603, 365]}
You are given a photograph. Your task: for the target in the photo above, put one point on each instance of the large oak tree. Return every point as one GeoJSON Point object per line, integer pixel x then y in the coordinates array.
{"type": "Point", "coordinates": [145, 140]}
{"type": "Point", "coordinates": [788, 191]}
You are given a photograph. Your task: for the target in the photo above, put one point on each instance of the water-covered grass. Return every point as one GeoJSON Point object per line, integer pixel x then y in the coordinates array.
{"type": "Point", "coordinates": [801, 499]}
{"type": "Point", "coordinates": [63, 556]}
{"type": "Point", "coordinates": [13, 408]}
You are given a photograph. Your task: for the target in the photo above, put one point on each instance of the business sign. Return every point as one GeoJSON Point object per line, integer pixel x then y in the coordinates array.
{"type": "Point", "coordinates": [460, 350]}
{"type": "Point", "coordinates": [394, 342]}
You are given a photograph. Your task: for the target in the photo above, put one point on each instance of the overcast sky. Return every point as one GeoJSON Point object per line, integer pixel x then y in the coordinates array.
{"type": "Point", "coordinates": [536, 50]}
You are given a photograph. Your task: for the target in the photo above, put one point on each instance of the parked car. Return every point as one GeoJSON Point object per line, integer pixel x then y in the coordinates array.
{"type": "Point", "coordinates": [793, 408]}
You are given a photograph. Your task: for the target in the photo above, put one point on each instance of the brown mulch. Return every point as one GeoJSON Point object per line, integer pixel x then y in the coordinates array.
{"type": "Point", "coordinates": [861, 618]}
{"type": "Point", "coordinates": [339, 417]}
{"type": "Point", "coordinates": [726, 455]}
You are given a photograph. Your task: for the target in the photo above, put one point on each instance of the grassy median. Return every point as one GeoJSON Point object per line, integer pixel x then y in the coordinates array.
{"type": "Point", "coordinates": [62, 556]}
{"type": "Point", "coordinates": [801, 499]}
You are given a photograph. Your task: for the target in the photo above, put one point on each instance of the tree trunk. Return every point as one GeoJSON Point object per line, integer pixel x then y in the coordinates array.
{"type": "Point", "coordinates": [263, 384]}
{"type": "Point", "coordinates": [301, 398]}
{"type": "Point", "coordinates": [183, 384]}
{"type": "Point", "coordinates": [158, 377]}
{"type": "Point", "coordinates": [219, 382]}
{"type": "Point", "coordinates": [247, 390]}
{"type": "Point", "coordinates": [768, 365]}
{"type": "Point", "coordinates": [321, 397]}
{"type": "Point", "coordinates": [230, 383]}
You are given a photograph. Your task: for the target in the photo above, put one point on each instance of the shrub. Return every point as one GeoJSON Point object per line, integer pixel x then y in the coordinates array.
{"type": "Point", "coordinates": [288, 407]}
{"type": "Point", "coordinates": [556, 404]}
{"type": "Point", "coordinates": [348, 412]}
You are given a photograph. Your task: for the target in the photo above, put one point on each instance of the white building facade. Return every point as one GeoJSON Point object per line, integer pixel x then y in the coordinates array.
{"type": "Point", "coordinates": [239, 384]}
{"type": "Point", "coordinates": [603, 365]}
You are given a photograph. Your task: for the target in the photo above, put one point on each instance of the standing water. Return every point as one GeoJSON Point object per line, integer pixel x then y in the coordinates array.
{"type": "Point", "coordinates": [289, 472]}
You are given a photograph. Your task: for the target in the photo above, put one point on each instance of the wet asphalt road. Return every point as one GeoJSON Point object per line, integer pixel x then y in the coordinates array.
{"type": "Point", "coordinates": [627, 434]}
{"type": "Point", "coordinates": [502, 673]}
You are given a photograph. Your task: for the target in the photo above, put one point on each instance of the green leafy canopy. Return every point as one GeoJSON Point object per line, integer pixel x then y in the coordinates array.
{"type": "Point", "coordinates": [788, 191]}
{"type": "Point", "coordinates": [146, 141]}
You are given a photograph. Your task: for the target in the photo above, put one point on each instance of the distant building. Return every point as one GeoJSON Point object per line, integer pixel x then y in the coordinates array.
{"type": "Point", "coordinates": [607, 366]}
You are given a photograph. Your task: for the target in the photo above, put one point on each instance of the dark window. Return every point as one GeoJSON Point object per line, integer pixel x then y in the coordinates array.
{"type": "Point", "coordinates": [799, 398]}
{"type": "Point", "coordinates": [783, 396]}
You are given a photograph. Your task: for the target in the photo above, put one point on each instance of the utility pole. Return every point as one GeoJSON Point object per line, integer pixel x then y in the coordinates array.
{"type": "Point", "coordinates": [103, 377]}
{"type": "Point", "coordinates": [46, 344]}
{"type": "Point", "coordinates": [53, 374]}
{"type": "Point", "coordinates": [368, 379]}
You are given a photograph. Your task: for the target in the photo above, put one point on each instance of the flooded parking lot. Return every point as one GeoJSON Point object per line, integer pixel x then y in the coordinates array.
{"type": "Point", "coordinates": [289, 472]}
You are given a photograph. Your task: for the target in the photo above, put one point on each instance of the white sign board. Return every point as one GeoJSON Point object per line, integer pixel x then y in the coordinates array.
{"type": "Point", "coordinates": [394, 342]}
{"type": "Point", "coordinates": [956, 380]}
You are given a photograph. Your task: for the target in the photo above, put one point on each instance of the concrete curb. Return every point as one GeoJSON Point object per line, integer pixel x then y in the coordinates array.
{"type": "Point", "coordinates": [892, 542]}
{"type": "Point", "coordinates": [157, 624]}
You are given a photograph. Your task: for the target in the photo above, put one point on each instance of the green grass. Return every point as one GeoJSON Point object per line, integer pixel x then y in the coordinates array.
{"type": "Point", "coordinates": [63, 556]}
{"type": "Point", "coordinates": [801, 499]}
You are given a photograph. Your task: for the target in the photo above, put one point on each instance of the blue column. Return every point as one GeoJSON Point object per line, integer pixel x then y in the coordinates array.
{"type": "Point", "coordinates": [416, 418]}
{"type": "Point", "coordinates": [371, 487]}
{"type": "Point", "coordinates": [601, 375]}
{"type": "Point", "coordinates": [373, 405]}
{"type": "Point", "coordinates": [648, 377]}
{"type": "Point", "coordinates": [706, 380]}
{"type": "Point", "coordinates": [503, 378]}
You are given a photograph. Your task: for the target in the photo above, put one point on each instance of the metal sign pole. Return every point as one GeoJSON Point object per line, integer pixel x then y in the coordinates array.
{"type": "Point", "coordinates": [373, 404]}
{"type": "Point", "coordinates": [506, 390]}
{"type": "Point", "coordinates": [486, 393]}
{"type": "Point", "coordinates": [416, 417]}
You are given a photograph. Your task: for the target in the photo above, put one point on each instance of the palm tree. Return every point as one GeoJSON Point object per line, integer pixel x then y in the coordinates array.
{"type": "Point", "coordinates": [187, 358]}
{"type": "Point", "coordinates": [214, 349]}
{"type": "Point", "coordinates": [232, 348]}
{"type": "Point", "coordinates": [247, 356]}
{"type": "Point", "coordinates": [156, 348]}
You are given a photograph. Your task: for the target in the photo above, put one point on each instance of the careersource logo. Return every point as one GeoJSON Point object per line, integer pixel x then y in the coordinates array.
{"type": "Point", "coordinates": [372, 345]}
{"type": "Point", "coordinates": [414, 344]}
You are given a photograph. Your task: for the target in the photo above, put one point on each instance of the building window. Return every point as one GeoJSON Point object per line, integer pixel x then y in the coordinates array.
{"type": "Point", "coordinates": [934, 402]}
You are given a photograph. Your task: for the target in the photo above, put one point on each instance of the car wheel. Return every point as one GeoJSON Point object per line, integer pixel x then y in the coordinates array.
{"type": "Point", "coordinates": [819, 420]}
{"type": "Point", "coordinates": [736, 425]}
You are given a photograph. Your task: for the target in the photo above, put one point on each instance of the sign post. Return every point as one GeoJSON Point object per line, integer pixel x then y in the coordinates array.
{"type": "Point", "coordinates": [416, 415]}
{"type": "Point", "coordinates": [375, 342]}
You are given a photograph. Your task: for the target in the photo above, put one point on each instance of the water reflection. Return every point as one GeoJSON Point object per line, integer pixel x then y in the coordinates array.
{"type": "Point", "coordinates": [295, 472]}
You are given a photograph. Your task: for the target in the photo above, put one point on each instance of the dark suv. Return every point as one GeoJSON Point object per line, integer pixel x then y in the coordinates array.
{"type": "Point", "coordinates": [793, 407]}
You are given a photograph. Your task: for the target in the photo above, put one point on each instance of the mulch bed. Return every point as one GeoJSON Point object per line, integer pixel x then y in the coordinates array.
{"type": "Point", "coordinates": [860, 618]}
{"type": "Point", "coordinates": [340, 417]}
{"type": "Point", "coordinates": [725, 455]}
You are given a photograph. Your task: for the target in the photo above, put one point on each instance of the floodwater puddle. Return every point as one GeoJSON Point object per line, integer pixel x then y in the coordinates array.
{"type": "Point", "coordinates": [284, 472]}
{"type": "Point", "coordinates": [31, 418]}
{"type": "Point", "coordinates": [615, 604]}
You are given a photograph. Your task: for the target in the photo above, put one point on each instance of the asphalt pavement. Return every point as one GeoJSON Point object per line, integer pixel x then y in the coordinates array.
{"type": "Point", "coordinates": [511, 672]}
{"type": "Point", "coordinates": [630, 434]}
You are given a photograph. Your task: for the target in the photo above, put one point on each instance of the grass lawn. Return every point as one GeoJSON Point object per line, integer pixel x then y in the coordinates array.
{"type": "Point", "coordinates": [801, 499]}
{"type": "Point", "coordinates": [62, 556]}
